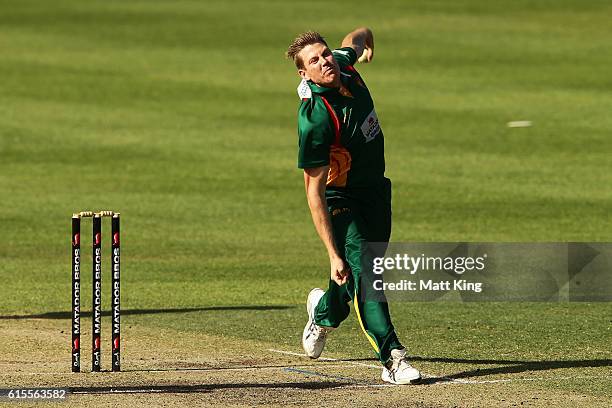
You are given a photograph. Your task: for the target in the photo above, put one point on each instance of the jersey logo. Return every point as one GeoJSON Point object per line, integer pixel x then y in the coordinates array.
{"type": "Point", "coordinates": [370, 127]}
{"type": "Point", "coordinates": [303, 90]}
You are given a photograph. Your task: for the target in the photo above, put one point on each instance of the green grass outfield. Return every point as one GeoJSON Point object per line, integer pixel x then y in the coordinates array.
{"type": "Point", "coordinates": [182, 116]}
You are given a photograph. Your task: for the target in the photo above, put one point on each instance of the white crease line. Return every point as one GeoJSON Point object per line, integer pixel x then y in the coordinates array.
{"type": "Point", "coordinates": [457, 381]}
{"type": "Point", "coordinates": [355, 363]}
{"type": "Point", "coordinates": [352, 363]}
{"type": "Point", "coordinates": [445, 381]}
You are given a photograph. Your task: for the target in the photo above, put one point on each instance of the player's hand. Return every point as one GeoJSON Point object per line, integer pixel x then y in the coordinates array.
{"type": "Point", "coordinates": [367, 55]}
{"type": "Point", "coordinates": [339, 271]}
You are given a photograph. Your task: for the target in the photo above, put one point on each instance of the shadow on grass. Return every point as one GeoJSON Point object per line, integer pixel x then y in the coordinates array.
{"type": "Point", "coordinates": [127, 312]}
{"type": "Point", "coordinates": [203, 388]}
{"type": "Point", "coordinates": [519, 367]}
{"type": "Point", "coordinates": [509, 366]}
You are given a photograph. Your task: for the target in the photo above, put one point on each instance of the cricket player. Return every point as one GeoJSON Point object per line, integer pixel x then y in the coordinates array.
{"type": "Point", "coordinates": [341, 150]}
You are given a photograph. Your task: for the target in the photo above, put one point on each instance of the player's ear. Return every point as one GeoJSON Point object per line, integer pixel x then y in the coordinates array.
{"type": "Point", "coordinates": [303, 74]}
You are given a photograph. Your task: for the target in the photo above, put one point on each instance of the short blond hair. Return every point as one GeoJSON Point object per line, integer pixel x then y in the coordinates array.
{"type": "Point", "coordinates": [301, 41]}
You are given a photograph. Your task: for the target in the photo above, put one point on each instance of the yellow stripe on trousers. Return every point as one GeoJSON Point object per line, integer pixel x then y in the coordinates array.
{"type": "Point", "coordinates": [356, 305]}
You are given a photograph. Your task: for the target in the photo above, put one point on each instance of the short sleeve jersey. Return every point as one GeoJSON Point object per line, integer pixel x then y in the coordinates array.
{"type": "Point", "coordinates": [341, 131]}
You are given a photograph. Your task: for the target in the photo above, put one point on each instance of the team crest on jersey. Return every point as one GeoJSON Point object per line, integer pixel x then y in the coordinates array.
{"type": "Point", "coordinates": [303, 90]}
{"type": "Point", "coordinates": [370, 127]}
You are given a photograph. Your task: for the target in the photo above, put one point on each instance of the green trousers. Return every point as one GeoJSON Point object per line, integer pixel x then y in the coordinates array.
{"type": "Point", "coordinates": [357, 218]}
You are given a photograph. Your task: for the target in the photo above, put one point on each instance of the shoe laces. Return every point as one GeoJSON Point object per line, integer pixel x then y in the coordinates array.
{"type": "Point", "coordinates": [403, 363]}
{"type": "Point", "coordinates": [319, 332]}
{"type": "Point", "coordinates": [399, 363]}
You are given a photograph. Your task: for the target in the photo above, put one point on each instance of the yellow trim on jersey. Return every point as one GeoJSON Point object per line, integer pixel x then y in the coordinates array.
{"type": "Point", "coordinates": [372, 342]}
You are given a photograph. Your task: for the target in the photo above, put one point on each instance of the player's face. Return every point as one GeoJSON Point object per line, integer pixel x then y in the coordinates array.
{"type": "Point", "coordinates": [319, 66]}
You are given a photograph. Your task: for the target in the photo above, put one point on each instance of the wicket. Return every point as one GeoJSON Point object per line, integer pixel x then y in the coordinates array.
{"type": "Point", "coordinates": [96, 352]}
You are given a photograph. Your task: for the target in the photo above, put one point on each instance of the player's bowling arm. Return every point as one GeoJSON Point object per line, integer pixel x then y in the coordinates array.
{"type": "Point", "coordinates": [315, 180]}
{"type": "Point", "coordinates": [362, 41]}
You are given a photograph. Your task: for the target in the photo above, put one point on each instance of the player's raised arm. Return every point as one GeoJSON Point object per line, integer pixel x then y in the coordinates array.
{"type": "Point", "coordinates": [362, 41]}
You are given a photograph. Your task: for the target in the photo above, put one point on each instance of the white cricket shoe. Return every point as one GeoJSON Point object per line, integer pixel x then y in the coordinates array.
{"type": "Point", "coordinates": [313, 338]}
{"type": "Point", "coordinates": [398, 371]}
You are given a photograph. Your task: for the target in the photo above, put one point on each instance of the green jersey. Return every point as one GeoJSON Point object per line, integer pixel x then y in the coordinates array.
{"type": "Point", "coordinates": [341, 131]}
